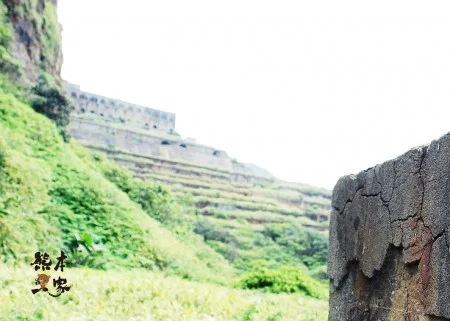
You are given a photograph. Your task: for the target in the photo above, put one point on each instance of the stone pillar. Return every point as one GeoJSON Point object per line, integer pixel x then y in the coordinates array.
{"type": "Point", "coordinates": [389, 239]}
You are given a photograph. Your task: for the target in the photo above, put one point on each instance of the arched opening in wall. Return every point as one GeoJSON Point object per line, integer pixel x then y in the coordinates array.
{"type": "Point", "coordinates": [82, 110]}
{"type": "Point", "coordinates": [216, 153]}
{"type": "Point", "coordinates": [146, 124]}
{"type": "Point", "coordinates": [183, 145]}
{"type": "Point", "coordinates": [102, 101]}
{"type": "Point", "coordinates": [101, 114]}
{"type": "Point", "coordinates": [165, 142]}
{"type": "Point", "coordinates": [92, 111]}
{"type": "Point", "coordinates": [155, 127]}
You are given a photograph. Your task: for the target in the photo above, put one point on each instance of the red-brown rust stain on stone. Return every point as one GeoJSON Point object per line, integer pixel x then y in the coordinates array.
{"type": "Point", "coordinates": [422, 237]}
{"type": "Point", "coordinates": [424, 270]}
{"type": "Point", "coordinates": [413, 223]}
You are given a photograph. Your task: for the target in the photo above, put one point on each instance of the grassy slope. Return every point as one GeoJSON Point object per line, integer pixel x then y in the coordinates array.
{"type": "Point", "coordinates": [233, 218]}
{"type": "Point", "coordinates": [50, 190]}
{"type": "Point", "coordinates": [236, 215]}
{"type": "Point", "coordinates": [137, 295]}
{"type": "Point", "coordinates": [48, 194]}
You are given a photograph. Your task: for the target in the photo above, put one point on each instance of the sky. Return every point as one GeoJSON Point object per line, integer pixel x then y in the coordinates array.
{"type": "Point", "coordinates": [309, 90]}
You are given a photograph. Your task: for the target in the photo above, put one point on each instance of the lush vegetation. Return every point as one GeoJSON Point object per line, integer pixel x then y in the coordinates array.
{"type": "Point", "coordinates": [310, 246]}
{"type": "Point", "coordinates": [49, 99]}
{"type": "Point", "coordinates": [238, 241]}
{"type": "Point", "coordinates": [56, 195]}
{"type": "Point", "coordinates": [141, 296]}
{"type": "Point", "coordinates": [137, 249]}
{"type": "Point", "coordinates": [243, 227]}
{"type": "Point", "coordinates": [286, 279]}
{"type": "Point", "coordinates": [155, 199]}
{"type": "Point", "coordinates": [50, 196]}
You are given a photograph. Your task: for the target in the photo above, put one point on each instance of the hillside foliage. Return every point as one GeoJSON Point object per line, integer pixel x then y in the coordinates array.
{"type": "Point", "coordinates": [50, 198]}
{"type": "Point", "coordinates": [136, 247]}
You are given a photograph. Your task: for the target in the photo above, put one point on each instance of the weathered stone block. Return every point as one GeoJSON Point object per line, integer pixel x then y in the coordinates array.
{"type": "Point", "coordinates": [389, 255]}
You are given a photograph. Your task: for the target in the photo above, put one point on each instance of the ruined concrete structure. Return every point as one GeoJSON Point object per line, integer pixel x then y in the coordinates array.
{"type": "Point", "coordinates": [389, 253]}
{"type": "Point", "coordinates": [115, 110]}
{"type": "Point", "coordinates": [104, 123]}
{"type": "Point", "coordinates": [145, 141]}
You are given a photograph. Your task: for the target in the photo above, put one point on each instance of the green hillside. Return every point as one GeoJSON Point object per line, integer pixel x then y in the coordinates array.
{"type": "Point", "coordinates": [272, 224]}
{"type": "Point", "coordinates": [57, 195]}
{"type": "Point", "coordinates": [137, 249]}
{"type": "Point", "coordinates": [50, 196]}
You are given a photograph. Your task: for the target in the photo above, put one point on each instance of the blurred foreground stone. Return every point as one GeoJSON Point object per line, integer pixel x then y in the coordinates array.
{"type": "Point", "coordinates": [389, 253]}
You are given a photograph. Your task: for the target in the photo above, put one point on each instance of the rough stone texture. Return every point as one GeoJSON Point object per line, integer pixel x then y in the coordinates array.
{"type": "Point", "coordinates": [389, 255]}
{"type": "Point", "coordinates": [30, 47]}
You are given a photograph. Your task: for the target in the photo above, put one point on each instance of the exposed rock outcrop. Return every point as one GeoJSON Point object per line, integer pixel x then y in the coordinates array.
{"type": "Point", "coordinates": [36, 37]}
{"type": "Point", "coordinates": [389, 253]}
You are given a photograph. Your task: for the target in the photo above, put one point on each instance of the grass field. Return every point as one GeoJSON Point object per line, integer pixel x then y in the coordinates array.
{"type": "Point", "coordinates": [141, 296]}
{"type": "Point", "coordinates": [53, 194]}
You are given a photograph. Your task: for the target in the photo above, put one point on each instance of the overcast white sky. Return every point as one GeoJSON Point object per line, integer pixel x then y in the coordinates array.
{"type": "Point", "coordinates": [309, 90]}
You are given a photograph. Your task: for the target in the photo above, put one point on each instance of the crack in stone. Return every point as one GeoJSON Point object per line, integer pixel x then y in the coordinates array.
{"type": "Point", "coordinates": [424, 154]}
{"type": "Point", "coordinates": [405, 219]}
{"type": "Point", "coordinates": [342, 280]}
{"type": "Point", "coordinates": [348, 201]}
{"type": "Point", "coordinates": [420, 263]}
{"type": "Point", "coordinates": [446, 237]}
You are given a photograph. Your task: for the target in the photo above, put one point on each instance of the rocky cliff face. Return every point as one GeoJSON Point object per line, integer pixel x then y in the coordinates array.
{"type": "Point", "coordinates": [34, 38]}
{"type": "Point", "coordinates": [389, 253]}
{"type": "Point", "coordinates": [31, 57]}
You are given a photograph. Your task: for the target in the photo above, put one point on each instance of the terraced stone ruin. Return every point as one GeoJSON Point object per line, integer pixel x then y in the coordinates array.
{"type": "Point", "coordinates": [389, 253]}
{"type": "Point", "coordinates": [229, 192]}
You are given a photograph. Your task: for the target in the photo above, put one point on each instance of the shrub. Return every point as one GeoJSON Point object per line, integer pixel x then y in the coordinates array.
{"type": "Point", "coordinates": [155, 199]}
{"type": "Point", "coordinates": [286, 279]}
{"type": "Point", "coordinates": [49, 99]}
{"type": "Point", "coordinates": [220, 215]}
{"type": "Point", "coordinates": [232, 253]}
{"type": "Point", "coordinates": [211, 232]}
{"type": "Point", "coordinates": [309, 245]}
{"type": "Point", "coordinates": [86, 250]}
